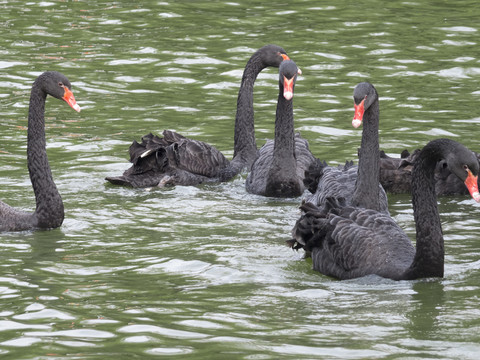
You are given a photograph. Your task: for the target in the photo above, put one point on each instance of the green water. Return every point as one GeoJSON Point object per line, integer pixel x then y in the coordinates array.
{"type": "Point", "coordinates": [203, 273]}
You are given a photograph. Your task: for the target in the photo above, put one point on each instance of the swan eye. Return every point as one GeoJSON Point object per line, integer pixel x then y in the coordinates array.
{"type": "Point", "coordinates": [465, 167]}
{"type": "Point", "coordinates": [61, 84]}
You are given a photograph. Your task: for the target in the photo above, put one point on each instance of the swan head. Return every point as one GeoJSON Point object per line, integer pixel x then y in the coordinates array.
{"type": "Point", "coordinates": [464, 163]}
{"type": "Point", "coordinates": [288, 72]}
{"type": "Point", "coordinates": [364, 95]}
{"type": "Point", "coordinates": [272, 55]}
{"type": "Point", "coordinates": [57, 85]}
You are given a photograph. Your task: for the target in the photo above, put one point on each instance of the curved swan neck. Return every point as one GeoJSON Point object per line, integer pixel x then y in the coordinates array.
{"type": "Point", "coordinates": [366, 193]}
{"type": "Point", "coordinates": [284, 145]}
{"type": "Point", "coordinates": [429, 256]}
{"type": "Point", "coordinates": [49, 211]}
{"type": "Point", "coordinates": [245, 146]}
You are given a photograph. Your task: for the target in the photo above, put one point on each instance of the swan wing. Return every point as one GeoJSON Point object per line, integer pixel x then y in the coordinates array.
{"type": "Point", "coordinates": [196, 157]}
{"type": "Point", "coordinates": [349, 242]}
{"type": "Point", "coordinates": [159, 155]}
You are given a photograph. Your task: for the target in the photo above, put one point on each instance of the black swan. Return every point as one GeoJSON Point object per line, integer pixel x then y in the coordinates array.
{"type": "Point", "coordinates": [280, 166]}
{"type": "Point", "coordinates": [177, 160]}
{"type": "Point", "coordinates": [49, 211]}
{"type": "Point", "coordinates": [396, 175]}
{"type": "Point", "coordinates": [359, 185]}
{"type": "Point", "coordinates": [349, 242]}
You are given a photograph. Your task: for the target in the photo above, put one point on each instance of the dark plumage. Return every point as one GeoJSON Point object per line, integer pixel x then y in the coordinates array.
{"type": "Point", "coordinates": [177, 160]}
{"type": "Point", "coordinates": [49, 212]}
{"type": "Point", "coordinates": [280, 166]}
{"type": "Point", "coordinates": [358, 185]}
{"type": "Point", "coordinates": [396, 175]}
{"type": "Point", "coordinates": [348, 241]}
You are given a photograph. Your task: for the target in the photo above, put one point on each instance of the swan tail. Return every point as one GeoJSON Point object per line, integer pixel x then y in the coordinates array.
{"type": "Point", "coordinates": [404, 154]}
{"type": "Point", "coordinates": [314, 226]}
{"type": "Point", "coordinates": [150, 162]}
{"type": "Point", "coordinates": [118, 180]}
{"type": "Point", "coordinates": [293, 244]}
{"type": "Point", "coordinates": [348, 165]}
{"type": "Point", "coordinates": [146, 179]}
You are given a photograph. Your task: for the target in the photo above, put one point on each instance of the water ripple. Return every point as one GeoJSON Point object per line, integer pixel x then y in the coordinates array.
{"type": "Point", "coordinates": [6, 325]}
{"type": "Point", "coordinates": [191, 272]}
{"type": "Point", "coordinates": [76, 333]}
{"type": "Point", "coordinates": [158, 330]}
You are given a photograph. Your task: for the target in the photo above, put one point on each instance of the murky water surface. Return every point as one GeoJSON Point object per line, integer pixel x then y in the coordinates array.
{"type": "Point", "coordinates": [203, 273]}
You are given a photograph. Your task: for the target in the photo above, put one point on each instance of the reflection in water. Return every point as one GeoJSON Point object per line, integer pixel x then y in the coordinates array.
{"type": "Point", "coordinates": [428, 303]}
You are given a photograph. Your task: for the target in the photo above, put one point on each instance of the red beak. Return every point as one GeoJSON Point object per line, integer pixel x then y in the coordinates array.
{"type": "Point", "coordinates": [288, 88]}
{"type": "Point", "coordinates": [472, 185]}
{"type": "Point", "coordinates": [70, 99]}
{"type": "Point", "coordinates": [359, 110]}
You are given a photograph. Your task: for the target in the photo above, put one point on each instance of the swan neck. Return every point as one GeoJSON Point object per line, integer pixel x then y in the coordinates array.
{"type": "Point", "coordinates": [282, 178]}
{"type": "Point", "coordinates": [429, 256]}
{"type": "Point", "coordinates": [366, 193]}
{"type": "Point", "coordinates": [245, 146]}
{"type": "Point", "coordinates": [49, 207]}
{"type": "Point", "coordinates": [284, 146]}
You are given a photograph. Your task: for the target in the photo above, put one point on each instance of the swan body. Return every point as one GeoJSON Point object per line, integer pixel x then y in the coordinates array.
{"type": "Point", "coordinates": [358, 185]}
{"type": "Point", "coordinates": [396, 175]}
{"type": "Point", "coordinates": [349, 241]}
{"type": "Point", "coordinates": [49, 212]}
{"type": "Point", "coordinates": [172, 160]}
{"type": "Point", "coordinates": [177, 160]}
{"type": "Point", "coordinates": [280, 166]}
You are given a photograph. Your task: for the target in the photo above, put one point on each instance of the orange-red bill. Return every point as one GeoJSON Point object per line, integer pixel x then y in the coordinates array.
{"type": "Point", "coordinates": [359, 110]}
{"type": "Point", "coordinates": [70, 99]}
{"type": "Point", "coordinates": [288, 88]}
{"type": "Point", "coordinates": [472, 185]}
